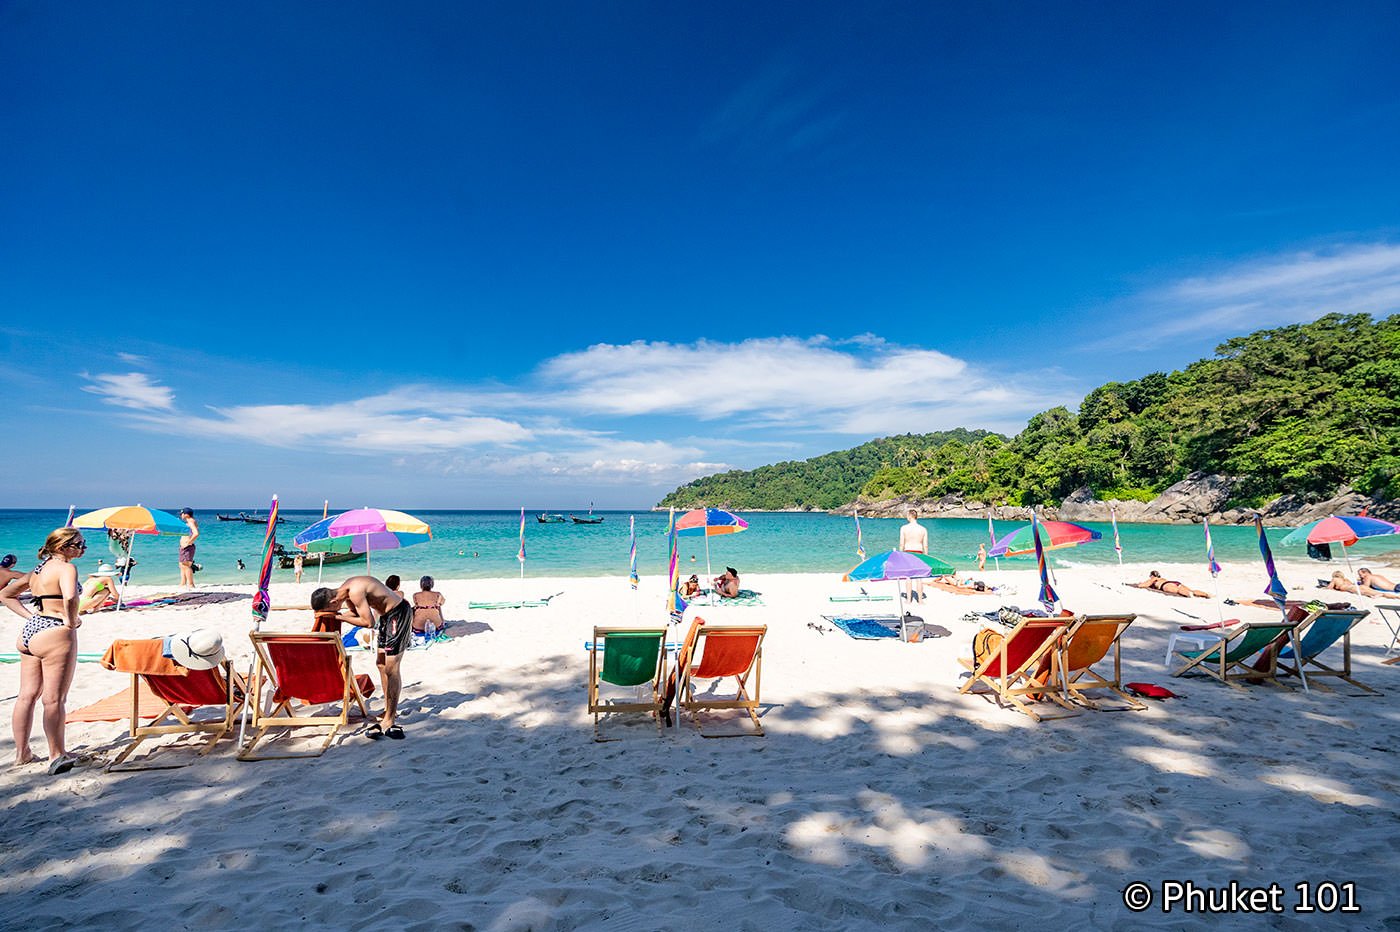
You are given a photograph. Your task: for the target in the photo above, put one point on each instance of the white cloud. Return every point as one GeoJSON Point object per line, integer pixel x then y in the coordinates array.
{"type": "Point", "coordinates": [131, 390]}
{"type": "Point", "coordinates": [1361, 279]}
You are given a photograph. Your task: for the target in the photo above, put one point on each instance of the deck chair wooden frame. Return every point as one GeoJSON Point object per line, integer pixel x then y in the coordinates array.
{"type": "Point", "coordinates": [174, 720]}
{"type": "Point", "coordinates": [1226, 661]}
{"type": "Point", "coordinates": [1013, 672]}
{"type": "Point", "coordinates": [597, 661]}
{"type": "Point", "coordinates": [1086, 644]}
{"type": "Point", "coordinates": [1310, 648]}
{"type": "Point", "coordinates": [281, 716]}
{"type": "Point", "coordinates": [746, 671]}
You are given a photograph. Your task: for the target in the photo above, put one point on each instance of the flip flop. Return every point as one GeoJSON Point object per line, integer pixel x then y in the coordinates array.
{"type": "Point", "coordinates": [374, 732]}
{"type": "Point", "coordinates": [395, 732]}
{"type": "Point", "coordinates": [62, 764]}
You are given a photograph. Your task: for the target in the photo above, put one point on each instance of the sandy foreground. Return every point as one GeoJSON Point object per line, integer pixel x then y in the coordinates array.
{"type": "Point", "coordinates": [879, 798]}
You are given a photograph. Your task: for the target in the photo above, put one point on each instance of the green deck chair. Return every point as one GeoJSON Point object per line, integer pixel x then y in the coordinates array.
{"type": "Point", "coordinates": [1226, 660]}
{"type": "Point", "coordinates": [626, 657]}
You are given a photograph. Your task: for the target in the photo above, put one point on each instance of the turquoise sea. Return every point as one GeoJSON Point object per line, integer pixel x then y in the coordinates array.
{"type": "Point", "coordinates": [479, 544]}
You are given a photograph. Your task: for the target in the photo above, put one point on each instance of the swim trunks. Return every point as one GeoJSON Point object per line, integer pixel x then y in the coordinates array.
{"type": "Point", "coordinates": [396, 628]}
{"type": "Point", "coordinates": [187, 553]}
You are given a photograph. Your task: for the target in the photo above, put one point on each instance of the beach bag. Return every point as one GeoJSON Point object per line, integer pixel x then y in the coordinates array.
{"type": "Point", "coordinates": [1008, 617]}
{"type": "Point", "coordinates": [985, 643]}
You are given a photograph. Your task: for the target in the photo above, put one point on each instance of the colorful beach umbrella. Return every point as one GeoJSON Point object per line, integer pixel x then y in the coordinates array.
{"type": "Point", "coordinates": [1117, 544]}
{"type": "Point", "coordinates": [363, 530]}
{"type": "Point", "coordinates": [1275, 589]}
{"type": "Point", "coordinates": [135, 518]}
{"type": "Point", "coordinates": [1048, 596]}
{"type": "Point", "coordinates": [632, 551]}
{"type": "Point", "coordinates": [1055, 535]}
{"type": "Point", "coordinates": [860, 544]}
{"type": "Point", "coordinates": [1341, 529]}
{"type": "Point", "coordinates": [710, 522]}
{"type": "Point", "coordinates": [262, 600]}
{"type": "Point", "coordinates": [675, 605]}
{"type": "Point", "coordinates": [1211, 565]}
{"type": "Point", "coordinates": [897, 564]}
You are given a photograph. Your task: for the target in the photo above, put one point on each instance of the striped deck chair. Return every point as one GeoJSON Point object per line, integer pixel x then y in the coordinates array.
{"type": "Point", "coordinates": [1012, 670]}
{"type": "Point", "coordinates": [725, 652]}
{"type": "Point", "coordinates": [182, 694]}
{"type": "Point", "coordinates": [1226, 661]}
{"type": "Point", "coordinates": [310, 668]}
{"type": "Point", "coordinates": [1088, 643]}
{"type": "Point", "coordinates": [627, 657]}
{"type": "Point", "coordinates": [1316, 634]}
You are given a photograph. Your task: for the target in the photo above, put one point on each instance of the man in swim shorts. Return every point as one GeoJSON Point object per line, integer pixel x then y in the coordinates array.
{"type": "Point", "coordinates": [187, 548]}
{"type": "Point", "coordinates": [375, 606]}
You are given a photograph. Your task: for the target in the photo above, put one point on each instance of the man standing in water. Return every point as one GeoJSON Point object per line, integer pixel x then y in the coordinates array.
{"type": "Point", "coordinates": [368, 598]}
{"type": "Point", "coordinates": [187, 547]}
{"type": "Point", "coordinates": [913, 539]}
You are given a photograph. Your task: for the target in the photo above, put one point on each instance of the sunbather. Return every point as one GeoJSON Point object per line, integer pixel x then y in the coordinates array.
{"type": "Point", "coordinates": [1340, 583]}
{"type": "Point", "coordinates": [100, 591]}
{"type": "Point", "coordinates": [691, 587]}
{"type": "Point", "coordinates": [1376, 581]}
{"type": "Point", "coordinates": [953, 584]}
{"type": "Point", "coordinates": [727, 583]}
{"type": "Point", "coordinates": [427, 608]}
{"type": "Point", "coordinates": [1155, 582]}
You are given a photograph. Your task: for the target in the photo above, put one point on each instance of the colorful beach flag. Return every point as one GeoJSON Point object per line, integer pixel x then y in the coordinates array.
{"type": "Point", "coordinates": [262, 601]}
{"type": "Point", "coordinates": [675, 605]}
{"type": "Point", "coordinates": [1275, 589]}
{"type": "Point", "coordinates": [1048, 597]}
{"type": "Point", "coordinates": [632, 550]}
{"type": "Point", "coordinates": [1117, 544]}
{"type": "Point", "coordinates": [521, 555]}
{"type": "Point", "coordinates": [860, 544]}
{"type": "Point", "coordinates": [1210, 550]}
{"type": "Point", "coordinates": [68, 522]}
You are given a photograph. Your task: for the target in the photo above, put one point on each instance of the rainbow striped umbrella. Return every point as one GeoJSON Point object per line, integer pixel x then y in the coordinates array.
{"type": "Point", "coordinates": [675, 605]}
{"type": "Point", "coordinates": [711, 522]}
{"type": "Point", "coordinates": [897, 564]}
{"type": "Point", "coordinates": [632, 551]}
{"type": "Point", "coordinates": [1274, 589]}
{"type": "Point", "coordinates": [363, 530]}
{"type": "Point", "coordinates": [1054, 535]}
{"type": "Point", "coordinates": [262, 601]}
{"type": "Point", "coordinates": [1048, 596]}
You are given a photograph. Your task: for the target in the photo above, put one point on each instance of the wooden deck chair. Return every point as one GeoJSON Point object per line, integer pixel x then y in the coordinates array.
{"type": "Point", "coordinates": [1317, 633]}
{"type": "Point", "coordinates": [1088, 643]}
{"type": "Point", "coordinates": [311, 668]}
{"type": "Point", "coordinates": [182, 694]}
{"type": "Point", "coordinates": [1012, 671]}
{"type": "Point", "coordinates": [630, 657]}
{"type": "Point", "coordinates": [725, 651]}
{"type": "Point", "coordinates": [1226, 661]}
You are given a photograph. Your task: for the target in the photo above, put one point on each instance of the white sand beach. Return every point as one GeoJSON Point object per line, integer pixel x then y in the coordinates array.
{"type": "Point", "coordinates": [878, 798]}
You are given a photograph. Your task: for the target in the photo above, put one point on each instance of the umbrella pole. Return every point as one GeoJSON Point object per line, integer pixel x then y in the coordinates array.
{"type": "Point", "coordinates": [367, 572]}
{"type": "Point", "coordinates": [321, 566]}
{"type": "Point", "coordinates": [126, 573]}
{"type": "Point", "coordinates": [708, 572]}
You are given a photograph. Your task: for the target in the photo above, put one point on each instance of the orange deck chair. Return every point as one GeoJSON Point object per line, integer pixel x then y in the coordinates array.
{"type": "Point", "coordinates": [1011, 670]}
{"type": "Point", "coordinates": [310, 668]}
{"type": "Point", "coordinates": [182, 693]}
{"type": "Point", "coordinates": [725, 651]}
{"type": "Point", "coordinates": [1088, 643]}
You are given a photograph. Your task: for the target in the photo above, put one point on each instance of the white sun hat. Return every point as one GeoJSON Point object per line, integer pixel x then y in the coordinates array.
{"type": "Point", "coordinates": [201, 649]}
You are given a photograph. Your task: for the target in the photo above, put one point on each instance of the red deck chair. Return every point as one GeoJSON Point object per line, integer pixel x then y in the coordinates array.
{"type": "Point", "coordinates": [310, 668]}
{"type": "Point", "coordinates": [182, 694]}
{"type": "Point", "coordinates": [1010, 670]}
{"type": "Point", "coordinates": [725, 651]}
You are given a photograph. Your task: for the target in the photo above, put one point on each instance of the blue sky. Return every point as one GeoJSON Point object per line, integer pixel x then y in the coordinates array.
{"type": "Point", "coordinates": [487, 255]}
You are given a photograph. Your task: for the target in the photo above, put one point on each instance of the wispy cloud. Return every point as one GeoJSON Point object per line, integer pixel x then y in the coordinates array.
{"type": "Point", "coordinates": [776, 112]}
{"type": "Point", "coordinates": [134, 390]}
{"type": "Point", "coordinates": [1272, 291]}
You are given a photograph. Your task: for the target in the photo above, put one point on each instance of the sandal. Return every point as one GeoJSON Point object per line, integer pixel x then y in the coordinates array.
{"type": "Point", "coordinates": [395, 732]}
{"type": "Point", "coordinates": [62, 764]}
{"type": "Point", "coordinates": [374, 732]}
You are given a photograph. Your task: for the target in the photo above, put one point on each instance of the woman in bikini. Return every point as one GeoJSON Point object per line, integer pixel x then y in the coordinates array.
{"type": "Point", "coordinates": [427, 607]}
{"type": "Point", "coordinates": [1155, 582]}
{"type": "Point", "coordinates": [48, 644]}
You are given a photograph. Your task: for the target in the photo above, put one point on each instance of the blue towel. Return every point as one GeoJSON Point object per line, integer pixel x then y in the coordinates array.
{"type": "Point", "coordinates": [867, 629]}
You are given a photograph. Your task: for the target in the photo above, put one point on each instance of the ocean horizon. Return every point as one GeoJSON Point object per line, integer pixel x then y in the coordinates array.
{"type": "Point", "coordinates": [483, 543]}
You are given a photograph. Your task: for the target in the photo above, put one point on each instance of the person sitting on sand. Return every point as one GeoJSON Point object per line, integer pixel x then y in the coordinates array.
{"type": "Point", "coordinates": [691, 587]}
{"type": "Point", "coordinates": [727, 583]}
{"type": "Point", "coordinates": [427, 608]}
{"type": "Point", "coordinates": [1375, 581]}
{"type": "Point", "coordinates": [100, 590]}
{"type": "Point", "coordinates": [394, 585]}
{"type": "Point", "coordinates": [1155, 582]}
{"type": "Point", "coordinates": [1340, 583]}
{"type": "Point", "coordinates": [953, 584]}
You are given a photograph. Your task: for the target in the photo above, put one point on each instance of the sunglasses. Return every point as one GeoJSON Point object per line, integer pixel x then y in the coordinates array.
{"type": "Point", "coordinates": [78, 545]}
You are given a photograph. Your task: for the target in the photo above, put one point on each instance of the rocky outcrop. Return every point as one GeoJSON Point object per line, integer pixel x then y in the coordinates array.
{"type": "Point", "coordinates": [1200, 495]}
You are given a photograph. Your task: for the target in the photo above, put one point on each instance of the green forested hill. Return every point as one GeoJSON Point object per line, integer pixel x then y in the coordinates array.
{"type": "Point", "coordinates": [1299, 409]}
{"type": "Point", "coordinates": [826, 481]}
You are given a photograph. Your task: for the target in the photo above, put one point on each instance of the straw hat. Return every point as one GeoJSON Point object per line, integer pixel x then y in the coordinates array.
{"type": "Point", "coordinates": [201, 649]}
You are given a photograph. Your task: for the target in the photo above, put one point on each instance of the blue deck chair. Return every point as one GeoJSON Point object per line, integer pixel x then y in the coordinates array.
{"type": "Point", "coordinates": [1316, 634]}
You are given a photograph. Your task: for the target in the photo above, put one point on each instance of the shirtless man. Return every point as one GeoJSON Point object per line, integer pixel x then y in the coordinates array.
{"type": "Point", "coordinates": [187, 548]}
{"type": "Point", "coordinates": [913, 538]}
{"type": "Point", "coordinates": [1375, 581]}
{"type": "Point", "coordinates": [1340, 583]}
{"type": "Point", "coordinates": [367, 598]}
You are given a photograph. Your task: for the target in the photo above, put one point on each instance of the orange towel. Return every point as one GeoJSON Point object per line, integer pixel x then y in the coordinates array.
{"type": "Point", "coordinates": [118, 708]}
{"type": "Point", "coordinates": [143, 656]}
{"type": "Point", "coordinates": [327, 621]}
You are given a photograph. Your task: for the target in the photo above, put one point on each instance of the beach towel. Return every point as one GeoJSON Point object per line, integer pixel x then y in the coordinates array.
{"type": "Point", "coordinates": [13, 657]}
{"type": "Point", "coordinates": [863, 597]}
{"type": "Point", "coordinates": [117, 708]}
{"type": "Point", "coordinates": [492, 606]}
{"type": "Point", "coordinates": [867, 629]}
{"type": "Point", "coordinates": [746, 598]}
{"type": "Point", "coordinates": [140, 656]}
